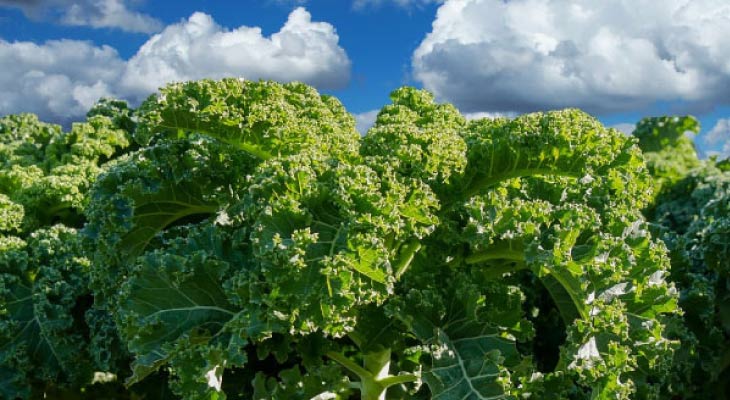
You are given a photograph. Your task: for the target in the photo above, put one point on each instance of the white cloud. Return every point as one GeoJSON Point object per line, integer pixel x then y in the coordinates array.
{"type": "Point", "coordinates": [490, 115]}
{"type": "Point", "coordinates": [110, 14]}
{"type": "Point", "coordinates": [56, 80]}
{"type": "Point", "coordinates": [718, 139]}
{"type": "Point", "coordinates": [59, 80]}
{"type": "Point", "coordinates": [32, 8]}
{"type": "Point", "coordinates": [199, 48]}
{"type": "Point", "coordinates": [365, 120]}
{"type": "Point", "coordinates": [524, 55]}
{"type": "Point", "coordinates": [93, 13]}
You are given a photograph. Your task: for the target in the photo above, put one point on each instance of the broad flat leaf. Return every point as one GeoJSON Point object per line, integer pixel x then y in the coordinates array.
{"type": "Point", "coordinates": [561, 297]}
{"type": "Point", "coordinates": [153, 212]}
{"type": "Point", "coordinates": [468, 366]}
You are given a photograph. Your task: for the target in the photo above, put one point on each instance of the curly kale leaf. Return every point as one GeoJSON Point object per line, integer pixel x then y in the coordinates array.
{"type": "Point", "coordinates": [53, 340]}
{"type": "Point", "coordinates": [43, 290]}
{"type": "Point", "coordinates": [689, 213]}
{"type": "Point", "coordinates": [557, 194]}
{"type": "Point", "coordinates": [467, 355]}
{"type": "Point", "coordinates": [263, 118]}
{"type": "Point", "coordinates": [48, 171]}
{"type": "Point", "coordinates": [565, 143]}
{"type": "Point", "coordinates": [417, 138]}
{"type": "Point", "coordinates": [329, 236]}
{"type": "Point", "coordinates": [173, 309]}
{"type": "Point", "coordinates": [177, 309]}
{"type": "Point", "coordinates": [11, 215]}
{"type": "Point", "coordinates": [121, 115]}
{"type": "Point", "coordinates": [23, 140]}
{"type": "Point", "coordinates": [150, 192]}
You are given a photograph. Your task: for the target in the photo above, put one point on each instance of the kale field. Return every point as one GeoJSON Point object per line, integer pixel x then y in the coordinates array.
{"type": "Point", "coordinates": [240, 239]}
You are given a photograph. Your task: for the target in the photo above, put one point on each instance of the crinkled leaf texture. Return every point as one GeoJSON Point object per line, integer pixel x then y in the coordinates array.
{"type": "Point", "coordinates": [48, 172]}
{"type": "Point", "coordinates": [693, 217]}
{"type": "Point", "coordinates": [470, 357]}
{"type": "Point", "coordinates": [557, 194]}
{"type": "Point", "coordinates": [668, 149]}
{"type": "Point", "coordinates": [263, 118]}
{"type": "Point", "coordinates": [247, 246]}
{"type": "Point", "coordinates": [175, 308]}
{"type": "Point", "coordinates": [42, 282]}
{"type": "Point", "coordinates": [53, 342]}
{"type": "Point", "coordinates": [151, 191]}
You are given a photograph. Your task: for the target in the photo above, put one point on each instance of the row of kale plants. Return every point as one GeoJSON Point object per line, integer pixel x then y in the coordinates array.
{"type": "Point", "coordinates": [238, 239]}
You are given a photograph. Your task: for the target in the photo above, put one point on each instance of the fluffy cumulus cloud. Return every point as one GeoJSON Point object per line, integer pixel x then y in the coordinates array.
{"type": "Point", "coordinates": [199, 48]}
{"type": "Point", "coordinates": [59, 80]}
{"type": "Point", "coordinates": [94, 13]}
{"type": "Point", "coordinates": [717, 139]}
{"type": "Point", "coordinates": [603, 56]}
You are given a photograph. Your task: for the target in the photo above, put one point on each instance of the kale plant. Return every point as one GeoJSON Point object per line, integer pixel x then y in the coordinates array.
{"type": "Point", "coordinates": [239, 239]}
{"type": "Point", "coordinates": [256, 246]}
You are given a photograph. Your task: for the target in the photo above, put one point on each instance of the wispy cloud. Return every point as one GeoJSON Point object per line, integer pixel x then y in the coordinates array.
{"type": "Point", "coordinates": [407, 4]}
{"type": "Point", "coordinates": [717, 139]}
{"type": "Point", "coordinates": [365, 120]}
{"type": "Point", "coordinates": [113, 14]}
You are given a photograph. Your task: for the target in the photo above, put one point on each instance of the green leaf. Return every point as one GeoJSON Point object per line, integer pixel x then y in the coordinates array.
{"type": "Point", "coordinates": [468, 366]}
{"type": "Point", "coordinates": [562, 298]}
{"type": "Point", "coordinates": [265, 118]}
{"type": "Point", "coordinates": [42, 282]}
{"type": "Point", "coordinates": [11, 214]}
{"type": "Point", "coordinates": [153, 212]}
{"type": "Point", "coordinates": [417, 138]}
{"type": "Point", "coordinates": [567, 143]}
{"type": "Point", "coordinates": [362, 264]}
{"type": "Point", "coordinates": [150, 194]}
{"type": "Point", "coordinates": [165, 300]}
{"type": "Point", "coordinates": [326, 235]}
{"type": "Point", "coordinates": [471, 354]}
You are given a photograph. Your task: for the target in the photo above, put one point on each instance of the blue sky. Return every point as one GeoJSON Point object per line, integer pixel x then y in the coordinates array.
{"type": "Point", "coordinates": [618, 59]}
